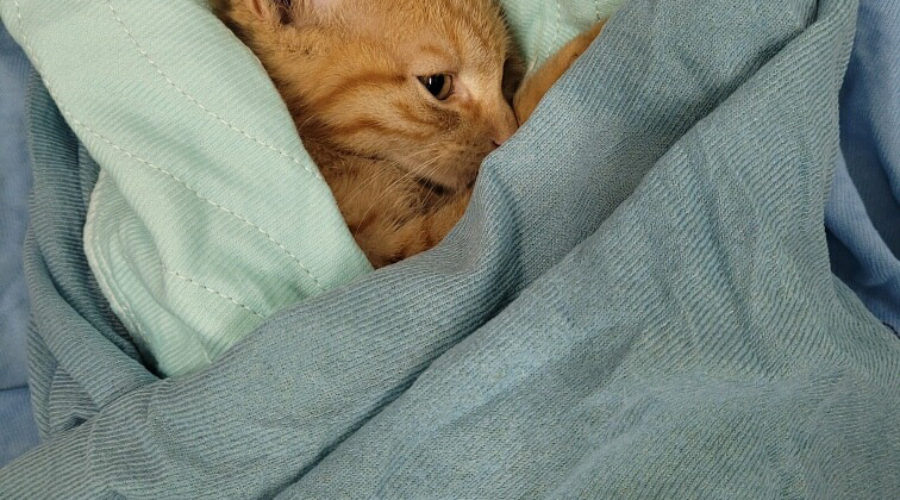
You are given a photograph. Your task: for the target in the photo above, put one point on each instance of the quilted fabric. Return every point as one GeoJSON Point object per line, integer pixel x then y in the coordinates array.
{"type": "Point", "coordinates": [208, 216]}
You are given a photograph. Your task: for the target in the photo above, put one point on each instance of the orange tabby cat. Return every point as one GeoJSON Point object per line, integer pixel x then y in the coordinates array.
{"type": "Point", "coordinates": [397, 101]}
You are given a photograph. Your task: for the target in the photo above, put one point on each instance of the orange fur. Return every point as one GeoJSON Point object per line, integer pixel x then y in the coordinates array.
{"type": "Point", "coordinates": [400, 162]}
{"type": "Point", "coordinates": [538, 83]}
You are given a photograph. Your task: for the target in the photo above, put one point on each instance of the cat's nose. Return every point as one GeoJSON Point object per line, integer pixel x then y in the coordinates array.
{"type": "Point", "coordinates": [501, 137]}
{"type": "Point", "coordinates": [505, 128]}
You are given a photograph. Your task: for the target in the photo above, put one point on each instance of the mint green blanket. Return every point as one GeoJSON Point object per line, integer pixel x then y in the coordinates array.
{"type": "Point", "coordinates": [638, 304]}
{"type": "Point", "coordinates": [208, 215]}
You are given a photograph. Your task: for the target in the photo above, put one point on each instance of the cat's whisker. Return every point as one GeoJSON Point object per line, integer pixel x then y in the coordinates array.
{"type": "Point", "coordinates": [425, 169]}
{"type": "Point", "coordinates": [387, 192]}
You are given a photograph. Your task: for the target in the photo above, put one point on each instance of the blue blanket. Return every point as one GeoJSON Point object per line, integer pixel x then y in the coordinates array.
{"type": "Point", "coordinates": [637, 303]}
{"type": "Point", "coordinates": [17, 431]}
{"type": "Point", "coordinates": [863, 213]}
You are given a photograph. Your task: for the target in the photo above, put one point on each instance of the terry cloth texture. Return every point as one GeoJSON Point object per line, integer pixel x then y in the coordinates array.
{"type": "Point", "coordinates": [208, 215]}
{"type": "Point", "coordinates": [863, 214]}
{"type": "Point", "coordinates": [638, 303]}
{"type": "Point", "coordinates": [17, 429]}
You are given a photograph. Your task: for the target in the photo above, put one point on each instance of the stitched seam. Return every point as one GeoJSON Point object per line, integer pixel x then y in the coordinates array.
{"type": "Point", "coordinates": [558, 24]}
{"type": "Point", "coordinates": [65, 112]}
{"type": "Point", "coordinates": [101, 261]}
{"type": "Point", "coordinates": [196, 193]}
{"type": "Point", "coordinates": [115, 301]}
{"type": "Point", "coordinates": [212, 291]}
{"type": "Point", "coordinates": [200, 105]}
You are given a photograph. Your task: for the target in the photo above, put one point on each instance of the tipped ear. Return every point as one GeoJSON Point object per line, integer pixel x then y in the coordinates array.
{"type": "Point", "coordinates": [315, 9]}
{"type": "Point", "coordinates": [288, 11]}
{"type": "Point", "coordinates": [271, 10]}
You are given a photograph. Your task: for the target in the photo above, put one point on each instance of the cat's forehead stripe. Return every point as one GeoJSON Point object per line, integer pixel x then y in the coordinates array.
{"type": "Point", "coordinates": [433, 49]}
{"type": "Point", "coordinates": [414, 115]}
{"type": "Point", "coordinates": [355, 82]}
{"type": "Point", "coordinates": [463, 30]}
{"type": "Point", "coordinates": [486, 29]}
{"type": "Point", "coordinates": [370, 124]}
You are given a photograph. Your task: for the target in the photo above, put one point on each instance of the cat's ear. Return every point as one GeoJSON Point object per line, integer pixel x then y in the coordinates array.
{"type": "Point", "coordinates": [293, 11]}
{"type": "Point", "coordinates": [280, 11]}
{"type": "Point", "coordinates": [314, 10]}
{"type": "Point", "coordinates": [320, 5]}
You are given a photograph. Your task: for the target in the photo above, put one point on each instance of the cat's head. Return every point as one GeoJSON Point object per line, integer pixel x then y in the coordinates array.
{"type": "Point", "coordinates": [425, 84]}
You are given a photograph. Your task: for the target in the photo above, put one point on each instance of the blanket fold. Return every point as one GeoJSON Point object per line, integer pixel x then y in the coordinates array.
{"type": "Point", "coordinates": [637, 303]}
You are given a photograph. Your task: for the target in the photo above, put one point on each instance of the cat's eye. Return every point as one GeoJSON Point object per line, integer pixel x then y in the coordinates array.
{"type": "Point", "coordinates": [440, 86]}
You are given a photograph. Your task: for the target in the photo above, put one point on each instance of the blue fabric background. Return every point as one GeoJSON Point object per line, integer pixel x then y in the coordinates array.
{"type": "Point", "coordinates": [863, 214]}
{"type": "Point", "coordinates": [638, 303]}
{"type": "Point", "coordinates": [651, 316]}
{"type": "Point", "coordinates": [17, 429]}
